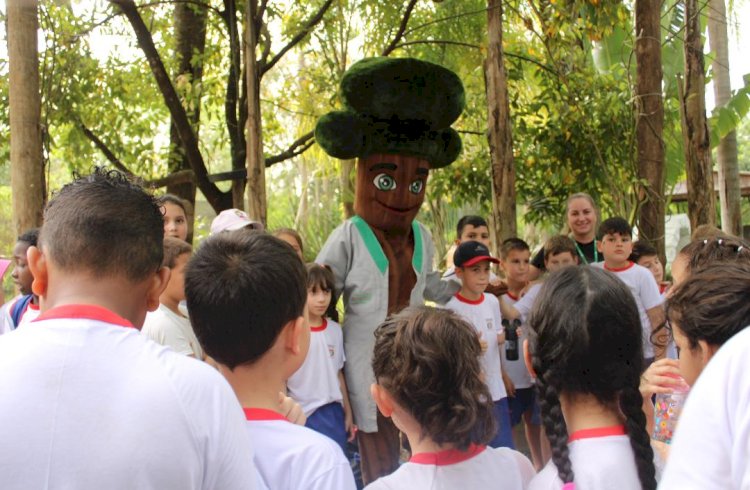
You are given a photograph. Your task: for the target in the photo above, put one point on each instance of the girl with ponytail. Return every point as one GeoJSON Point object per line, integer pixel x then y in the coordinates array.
{"type": "Point", "coordinates": [586, 351]}
{"type": "Point", "coordinates": [429, 381]}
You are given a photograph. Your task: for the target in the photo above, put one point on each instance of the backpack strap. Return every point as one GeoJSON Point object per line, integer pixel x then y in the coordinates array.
{"type": "Point", "coordinates": [18, 309]}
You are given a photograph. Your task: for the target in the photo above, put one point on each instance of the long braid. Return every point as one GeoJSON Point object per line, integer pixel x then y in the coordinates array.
{"type": "Point", "coordinates": [555, 428]}
{"type": "Point", "coordinates": [635, 422]}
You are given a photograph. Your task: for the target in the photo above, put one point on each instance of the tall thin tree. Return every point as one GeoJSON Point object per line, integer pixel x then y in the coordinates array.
{"type": "Point", "coordinates": [502, 167]}
{"type": "Point", "coordinates": [649, 112]}
{"type": "Point", "coordinates": [26, 159]}
{"type": "Point", "coordinates": [726, 152]}
{"type": "Point", "coordinates": [700, 184]}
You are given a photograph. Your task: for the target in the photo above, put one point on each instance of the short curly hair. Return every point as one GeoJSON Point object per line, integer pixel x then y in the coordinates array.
{"type": "Point", "coordinates": [428, 360]}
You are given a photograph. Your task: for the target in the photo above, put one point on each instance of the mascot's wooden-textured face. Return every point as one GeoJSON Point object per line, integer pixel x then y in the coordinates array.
{"type": "Point", "coordinates": [390, 190]}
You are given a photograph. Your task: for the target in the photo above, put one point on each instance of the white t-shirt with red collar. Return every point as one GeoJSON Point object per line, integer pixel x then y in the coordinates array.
{"type": "Point", "coordinates": [478, 468]}
{"type": "Point", "coordinates": [602, 459]}
{"type": "Point", "coordinates": [484, 315]}
{"type": "Point", "coordinates": [87, 402]}
{"type": "Point", "coordinates": [517, 370]}
{"type": "Point", "coordinates": [642, 284]}
{"type": "Point", "coordinates": [294, 457]}
{"type": "Point", "coordinates": [28, 315]}
{"type": "Point", "coordinates": [316, 382]}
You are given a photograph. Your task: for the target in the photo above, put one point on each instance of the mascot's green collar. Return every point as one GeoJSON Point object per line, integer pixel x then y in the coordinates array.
{"type": "Point", "coordinates": [376, 251]}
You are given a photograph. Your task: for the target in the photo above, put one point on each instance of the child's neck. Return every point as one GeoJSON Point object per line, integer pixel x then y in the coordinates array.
{"type": "Point", "coordinates": [315, 320]}
{"type": "Point", "coordinates": [257, 385]}
{"type": "Point", "coordinates": [418, 442]}
{"type": "Point", "coordinates": [171, 303]}
{"type": "Point", "coordinates": [615, 264]}
{"type": "Point", "coordinates": [471, 295]}
{"type": "Point", "coordinates": [515, 287]}
{"type": "Point", "coordinates": [583, 411]}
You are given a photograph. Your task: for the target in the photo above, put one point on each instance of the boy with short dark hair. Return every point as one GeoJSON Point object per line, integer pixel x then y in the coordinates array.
{"type": "Point", "coordinates": [616, 244]}
{"type": "Point", "coordinates": [24, 308]}
{"type": "Point", "coordinates": [250, 318]}
{"type": "Point", "coordinates": [93, 403]}
{"type": "Point", "coordinates": [482, 311]}
{"type": "Point", "coordinates": [167, 325]}
{"type": "Point", "coordinates": [475, 228]}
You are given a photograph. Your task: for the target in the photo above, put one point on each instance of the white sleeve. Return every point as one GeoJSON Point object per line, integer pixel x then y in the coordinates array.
{"type": "Point", "coordinates": [649, 291]}
{"type": "Point", "coordinates": [159, 329]}
{"type": "Point", "coordinates": [436, 289]}
{"type": "Point", "coordinates": [524, 305]}
{"type": "Point", "coordinates": [711, 447]}
{"type": "Point", "coordinates": [525, 468]}
{"type": "Point", "coordinates": [337, 254]}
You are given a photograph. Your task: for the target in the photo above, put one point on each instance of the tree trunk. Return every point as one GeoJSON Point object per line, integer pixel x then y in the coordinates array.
{"type": "Point", "coordinates": [256, 168]}
{"type": "Point", "coordinates": [649, 107]}
{"type": "Point", "coordinates": [499, 131]}
{"type": "Point", "coordinates": [700, 185]}
{"type": "Point", "coordinates": [190, 40]}
{"type": "Point", "coordinates": [726, 153]}
{"type": "Point", "coordinates": [26, 162]}
{"type": "Point", "coordinates": [216, 198]}
{"type": "Point", "coordinates": [347, 187]}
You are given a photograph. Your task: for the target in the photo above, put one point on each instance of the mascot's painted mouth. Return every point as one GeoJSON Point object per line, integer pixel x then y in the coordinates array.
{"type": "Point", "coordinates": [401, 211]}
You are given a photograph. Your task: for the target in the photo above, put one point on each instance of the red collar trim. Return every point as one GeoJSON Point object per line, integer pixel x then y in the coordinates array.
{"type": "Point", "coordinates": [464, 299]}
{"type": "Point", "coordinates": [32, 306]}
{"type": "Point", "coordinates": [620, 269]}
{"type": "Point", "coordinates": [88, 312]}
{"type": "Point", "coordinates": [663, 287]}
{"type": "Point", "coordinates": [320, 328]}
{"type": "Point", "coordinates": [258, 414]}
{"type": "Point", "coordinates": [447, 457]}
{"type": "Point", "coordinates": [614, 430]}
{"type": "Point", "coordinates": [512, 296]}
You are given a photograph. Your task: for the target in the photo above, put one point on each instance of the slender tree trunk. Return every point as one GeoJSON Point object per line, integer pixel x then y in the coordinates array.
{"type": "Point", "coordinates": [502, 168]}
{"type": "Point", "coordinates": [726, 153]}
{"type": "Point", "coordinates": [347, 187]}
{"type": "Point", "coordinates": [700, 185]}
{"type": "Point", "coordinates": [26, 162]}
{"type": "Point", "coordinates": [190, 38]}
{"type": "Point", "coordinates": [649, 109]}
{"type": "Point", "coordinates": [216, 198]}
{"type": "Point", "coordinates": [256, 167]}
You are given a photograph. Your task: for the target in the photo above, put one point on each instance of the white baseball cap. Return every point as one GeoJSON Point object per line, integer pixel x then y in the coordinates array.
{"type": "Point", "coordinates": [234, 219]}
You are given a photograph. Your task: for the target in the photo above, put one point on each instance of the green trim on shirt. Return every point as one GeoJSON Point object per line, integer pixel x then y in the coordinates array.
{"type": "Point", "coordinates": [417, 257]}
{"type": "Point", "coordinates": [372, 244]}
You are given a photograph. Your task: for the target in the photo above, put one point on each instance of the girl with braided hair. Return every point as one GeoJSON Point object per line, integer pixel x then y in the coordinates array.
{"type": "Point", "coordinates": [586, 351]}
{"type": "Point", "coordinates": [429, 381]}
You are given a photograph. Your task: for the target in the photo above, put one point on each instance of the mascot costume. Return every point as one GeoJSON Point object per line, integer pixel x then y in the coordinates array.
{"type": "Point", "coordinates": [396, 122]}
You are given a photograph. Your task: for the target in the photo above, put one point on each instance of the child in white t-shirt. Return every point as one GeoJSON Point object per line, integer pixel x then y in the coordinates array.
{"type": "Point", "coordinates": [429, 382]}
{"type": "Point", "coordinates": [559, 252]}
{"type": "Point", "coordinates": [319, 385]}
{"type": "Point", "coordinates": [586, 352]}
{"type": "Point", "coordinates": [167, 325]}
{"type": "Point", "coordinates": [246, 292]}
{"type": "Point", "coordinates": [472, 260]}
{"type": "Point", "coordinates": [616, 245]}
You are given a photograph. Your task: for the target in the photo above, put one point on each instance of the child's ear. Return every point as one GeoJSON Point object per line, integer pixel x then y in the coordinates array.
{"type": "Point", "coordinates": [707, 351]}
{"type": "Point", "coordinates": [459, 272]}
{"type": "Point", "coordinates": [158, 284]}
{"type": "Point", "coordinates": [527, 358]}
{"type": "Point", "coordinates": [297, 337]}
{"type": "Point", "coordinates": [598, 245]}
{"type": "Point", "coordinates": [38, 267]}
{"type": "Point", "coordinates": [383, 399]}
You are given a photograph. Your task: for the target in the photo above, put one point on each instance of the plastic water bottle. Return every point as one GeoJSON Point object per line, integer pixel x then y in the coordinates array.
{"type": "Point", "coordinates": [667, 409]}
{"type": "Point", "coordinates": [511, 339]}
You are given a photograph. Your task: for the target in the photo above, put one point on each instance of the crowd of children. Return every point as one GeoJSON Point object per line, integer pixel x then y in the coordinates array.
{"type": "Point", "coordinates": [92, 403]}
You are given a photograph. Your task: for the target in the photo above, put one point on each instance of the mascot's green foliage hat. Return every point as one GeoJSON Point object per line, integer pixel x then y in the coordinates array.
{"type": "Point", "coordinates": [395, 105]}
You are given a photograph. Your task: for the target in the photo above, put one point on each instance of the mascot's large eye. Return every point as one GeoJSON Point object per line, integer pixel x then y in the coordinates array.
{"type": "Point", "coordinates": [384, 182]}
{"type": "Point", "coordinates": [416, 186]}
